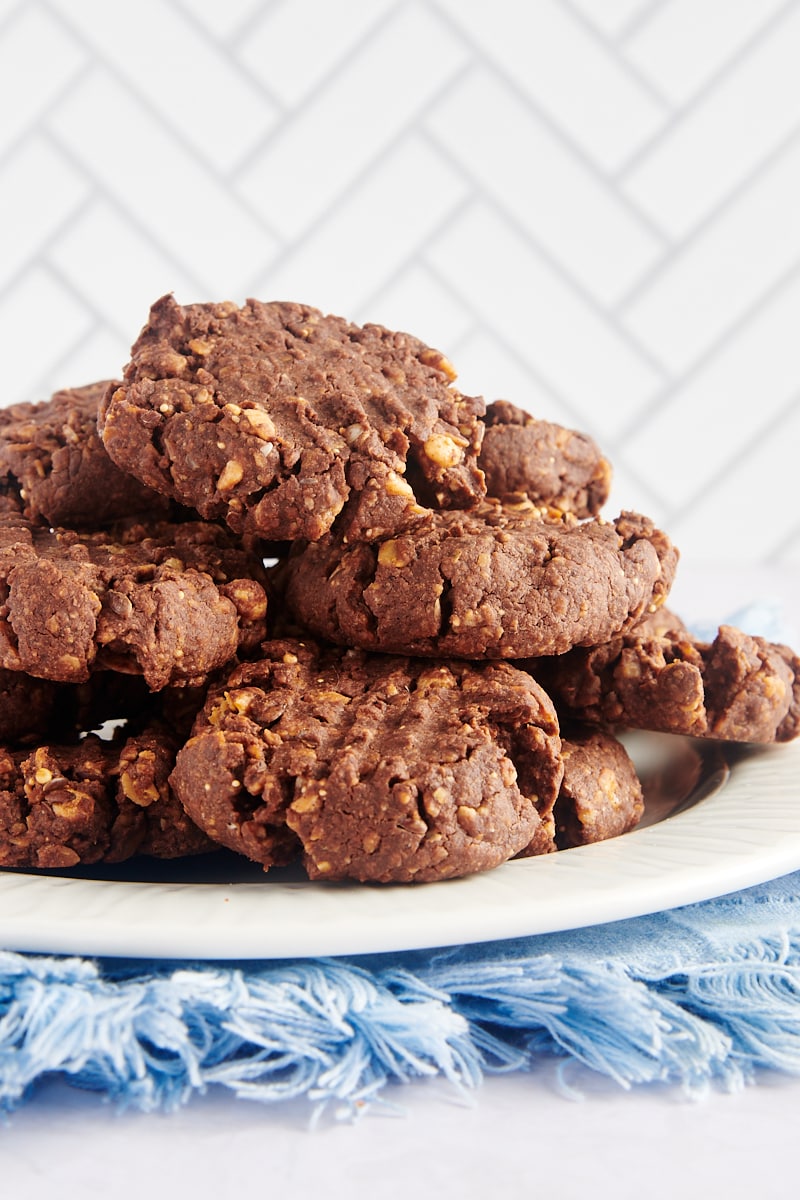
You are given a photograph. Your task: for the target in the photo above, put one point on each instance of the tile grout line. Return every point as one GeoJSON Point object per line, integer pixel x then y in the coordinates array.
{"type": "Point", "coordinates": [740, 457]}
{"type": "Point", "coordinates": [386, 150]}
{"type": "Point", "coordinates": [36, 126]}
{"type": "Point", "coordinates": [8, 286]}
{"type": "Point", "coordinates": [612, 49]}
{"type": "Point", "coordinates": [218, 44]}
{"type": "Point", "coordinates": [100, 190]}
{"type": "Point", "coordinates": [252, 20]}
{"type": "Point", "coordinates": [751, 313]}
{"type": "Point", "coordinates": [310, 99]}
{"type": "Point", "coordinates": [565, 139]}
{"type": "Point", "coordinates": [206, 168]}
{"type": "Point", "coordinates": [711, 85]}
{"type": "Point", "coordinates": [639, 21]}
{"type": "Point", "coordinates": [748, 182]}
{"type": "Point", "coordinates": [605, 315]}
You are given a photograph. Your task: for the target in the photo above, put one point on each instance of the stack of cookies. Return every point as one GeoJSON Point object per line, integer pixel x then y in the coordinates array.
{"type": "Point", "coordinates": [427, 679]}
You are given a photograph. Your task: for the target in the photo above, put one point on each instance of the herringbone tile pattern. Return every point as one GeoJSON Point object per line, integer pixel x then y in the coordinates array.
{"type": "Point", "coordinates": [590, 205]}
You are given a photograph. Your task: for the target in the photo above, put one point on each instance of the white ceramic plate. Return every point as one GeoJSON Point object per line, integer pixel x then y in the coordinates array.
{"type": "Point", "coordinates": [705, 834]}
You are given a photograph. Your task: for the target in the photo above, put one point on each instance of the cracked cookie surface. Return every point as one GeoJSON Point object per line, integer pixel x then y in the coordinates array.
{"type": "Point", "coordinates": [52, 456]}
{"type": "Point", "coordinates": [95, 801]}
{"type": "Point", "coordinates": [495, 582]}
{"type": "Point", "coordinates": [270, 416]}
{"type": "Point", "coordinates": [169, 601]}
{"type": "Point", "coordinates": [372, 767]}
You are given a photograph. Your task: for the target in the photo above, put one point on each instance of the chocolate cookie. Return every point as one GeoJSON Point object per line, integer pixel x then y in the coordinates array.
{"type": "Point", "coordinates": [94, 801]}
{"type": "Point", "coordinates": [378, 768]}
{"type": "Point", "coordinates": [549, 464]}
{"type": "Point", "coordinates": [51, 455]}
{"type": "Point", "coordinates": [170, 601]}
{"type": "Point", "coordinates": [736, 688]}
{"type": "Point", "coordinates": [270, 416]}
{"type": "Point", "coordinates": [601, 796]}
{"type": "Point", "coordinates": [494, 582]}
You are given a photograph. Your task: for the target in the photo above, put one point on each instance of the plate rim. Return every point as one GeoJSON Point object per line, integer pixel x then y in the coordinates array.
{"type": "Point", "coordinates": [743, 834]}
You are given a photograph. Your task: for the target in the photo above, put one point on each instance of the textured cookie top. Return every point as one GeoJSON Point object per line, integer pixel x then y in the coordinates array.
{"type": "Point", "coordinates": [495, 582]}
{"type": "Point", "coordinates": [658, 677]}
{"type": "Point", "coordinates": [378, 768]}
{"type": "Point", "coordinates": [170, 601]}
{"type": "Point", "coordinates": [549, 464]}
{"type": "Point", "coordinates": [52, 456]}
{"type": "Point", "coordinates": [95, 801]}
{"type": "Point", "coordinates": [271, 415]}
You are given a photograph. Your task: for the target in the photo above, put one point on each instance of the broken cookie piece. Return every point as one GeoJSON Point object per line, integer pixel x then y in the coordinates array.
{"type": "Point", "coordinates": [736, 688]}
{"type": "Point", "coordinates": [549, 464]}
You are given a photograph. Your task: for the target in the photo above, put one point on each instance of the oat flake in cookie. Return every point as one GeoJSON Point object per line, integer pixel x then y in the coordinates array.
{"type": "Point", "coordinates": [172, 602]}
{"type": "Point", "coordinates": [495, 582]}
{"type": "Point", "coordinates": [271, 415]}
{"type": "Point", "coordinates": [375, 768]}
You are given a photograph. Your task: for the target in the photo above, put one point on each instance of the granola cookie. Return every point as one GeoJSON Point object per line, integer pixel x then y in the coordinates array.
{"type": "Point", "coordinates": [736, 688]}
{"type": "Point", "coordinates": [172, 602]}
{"type": "Point", "coordinates": [495, 582]}
{"type": "Point", "coordinates": [375, 768]}
{"type": "Point", "coordinates": [93, 801]}
{"type": "Point", "coordinates": [51, 455]}
{"type": "Point", "coordinates": [271, 416]}
{"type": "Point", "coordinates": [549, 464]}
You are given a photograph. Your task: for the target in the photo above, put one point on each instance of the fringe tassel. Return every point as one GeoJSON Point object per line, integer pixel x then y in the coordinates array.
{"type": "Point", "coordinates": [333, 1031]}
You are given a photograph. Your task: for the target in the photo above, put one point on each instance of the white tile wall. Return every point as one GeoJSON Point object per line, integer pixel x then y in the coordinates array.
{"type": "Point", "coordinates": [593, 206]}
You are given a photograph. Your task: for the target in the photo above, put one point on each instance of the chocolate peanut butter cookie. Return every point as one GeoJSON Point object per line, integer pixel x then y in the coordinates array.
{"type": "Point", "coordinates": [376, 768]}
{"type": "Point", "coordinates": [549, 464]}
{"type": "Point", "coordinates": [270, 416]}
{"type": "Point", "coordinates": [495, 582]}
{"type": "Point", "coordinates": [93, 801]}
{"type": "Point", "coordinates": [736, 688]}
{"type": "Point", "coordinates": [52, 456]}
{"type": "Point", "coordinates": [601, 796]}
{"type": "Point", "coordinates": [172, 602]}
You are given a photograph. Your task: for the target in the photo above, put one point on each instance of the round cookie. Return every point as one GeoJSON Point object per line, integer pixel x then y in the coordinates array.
{"type": "Point", "coordinates": [736, 688]}
{"type": "Point", "coordinates": [271, 415]}
{"type": "Point", "coordinates": [172, 602]}
{"type": "Point", "coordinates": [51, 455]}
{"type": "Point", "coordinates": [94, 801]}
{"type": "Point", "coordinates": [549, 464]}
{"type": "Point", "coordinates": [495, 582]}
{"type": "Point", "coordinates": [378, 768]}
{"type": "Point", "coordinates": [601, 796]}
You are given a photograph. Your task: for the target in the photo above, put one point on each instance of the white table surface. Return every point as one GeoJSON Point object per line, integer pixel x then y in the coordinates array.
{"type": "Point", "coordinates": [518, 1135]}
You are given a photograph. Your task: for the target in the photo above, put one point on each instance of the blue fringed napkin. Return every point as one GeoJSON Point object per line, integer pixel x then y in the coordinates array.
{"type": "Point", "coordinates": [705, 993]}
